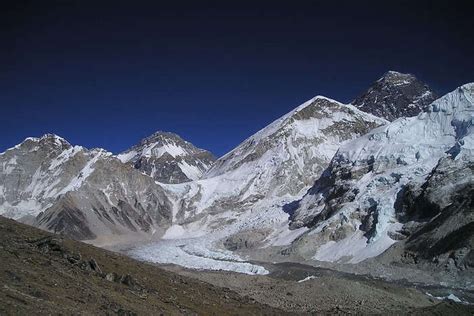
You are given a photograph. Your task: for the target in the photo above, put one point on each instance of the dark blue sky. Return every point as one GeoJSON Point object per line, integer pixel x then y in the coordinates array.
{"type": "Point", "coordinates": [108, 74]}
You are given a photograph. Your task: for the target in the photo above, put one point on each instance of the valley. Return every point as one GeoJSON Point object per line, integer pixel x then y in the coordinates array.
{"type": "Point", "coordinates": [47, 274]}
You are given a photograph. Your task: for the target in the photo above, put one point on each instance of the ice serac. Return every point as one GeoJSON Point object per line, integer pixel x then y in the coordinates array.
{"type": "Point", "coordinates": [168, 158]}
{"type": "Point", "coordinates": [361, 204]}
{"type": "Point", "coordinates": [78, 192]}
{"type": "Point", "coordinates": [395, 95]}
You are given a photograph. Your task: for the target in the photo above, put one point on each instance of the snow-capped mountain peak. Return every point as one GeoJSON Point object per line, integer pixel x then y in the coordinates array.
{"type": "Point", "coordinates": [319, 120]}
{"type": "Point", "coordinates": [156, 145]}
{"type": "Point", "coordinates": [277, 164]}
{"type": "Point", "coordinates": [49, 140]}
{"type": "Point", "coordinates": [395, 95]}
{"type": "Point", "coordinates": [392, 75]}
{"type": "Point", "coordinates": [168, 158]}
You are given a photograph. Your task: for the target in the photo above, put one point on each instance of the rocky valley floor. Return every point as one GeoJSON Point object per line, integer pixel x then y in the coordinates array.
{"type": "Point", "coordinates": [43, 273]}
{"type": "Point", "coordinates": [302, 289]}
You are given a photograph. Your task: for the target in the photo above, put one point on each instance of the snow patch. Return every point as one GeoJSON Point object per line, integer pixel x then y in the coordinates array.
{"type": "Point", "coordinates": [88, 169]}
{"type": "Point", "coordinates": [450, 297]}
{"type": "Point", "coordinates": [353, 249]}
{"type": "Point", "coordinates": [192, 172]}
{"type": "Point", "coordinates": [311, 277]}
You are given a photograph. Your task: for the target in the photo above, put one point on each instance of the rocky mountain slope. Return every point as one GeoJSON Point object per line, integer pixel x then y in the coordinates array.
{"type": "Point", "coordinates": [168, 158]}
{"type": "Point", "coordinates": [446, 202]}
{"type": "Point", "coordinates": [81, 193]}
{"type": "Point", "coordinates": [412, 178]}
{"type": "Point", "coordinates": [44, 274]}
{"type": "Point", "coordinates": [395, 95]}
{"type": "Point", "coordinates": [438, 224]}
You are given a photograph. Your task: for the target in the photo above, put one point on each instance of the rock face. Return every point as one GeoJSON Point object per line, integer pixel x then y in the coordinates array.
{"type": "Point", "coordinates": [78, 192]}
{"type": "Point", "coordinates": [395, 95]}
{"type": "Point", "coordinates": [356, 209]}
{"type": "Point", "coordinates": [168, 158]}
{"type": "Point", "coordinates": [446, 202]}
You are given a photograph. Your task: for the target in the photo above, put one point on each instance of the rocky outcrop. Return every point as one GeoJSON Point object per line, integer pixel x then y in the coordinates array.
{"type": "Point", "coordinates": [395, 95]}
{"type": "Point", "coordinates": [246, 239]}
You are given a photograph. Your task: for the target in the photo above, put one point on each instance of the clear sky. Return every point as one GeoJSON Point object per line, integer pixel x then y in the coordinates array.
{"type": "Point", "coordinates": [108, 73]}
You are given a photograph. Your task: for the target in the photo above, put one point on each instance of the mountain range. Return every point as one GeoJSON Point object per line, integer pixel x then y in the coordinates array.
{"type": "Point", "coordinates": [326, 182]}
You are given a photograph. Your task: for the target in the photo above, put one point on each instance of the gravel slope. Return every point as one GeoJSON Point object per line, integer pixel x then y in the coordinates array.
{"type": "Point", "coordinates": [43, 274]}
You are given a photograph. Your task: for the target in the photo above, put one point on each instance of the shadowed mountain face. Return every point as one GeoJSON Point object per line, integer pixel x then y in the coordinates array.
{"type": "Point", "coordinates": [446, 202]}
{"type": "Point", "coordinates": [395, 95]}
{"type": "Point", "coordinates": [168, 158]}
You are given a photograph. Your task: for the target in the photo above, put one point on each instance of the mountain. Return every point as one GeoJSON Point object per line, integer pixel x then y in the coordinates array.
{"type": "Point", "coordinates": [93, 195]}
{"type": "Point", "coordinates": [395, 95]}
{"type": "Point", "coordinates": [280, 161]}
{"type": "Point", "coordinates": [168, 158]}
{"type": "Point", "coordinates": [410, 179]}
{"type": "Point", "coordinates": [84, 194]}
{"type": "Point", "coordinates": [237, 205]}
{"type": "Point", "coordinates": [325, 182]}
